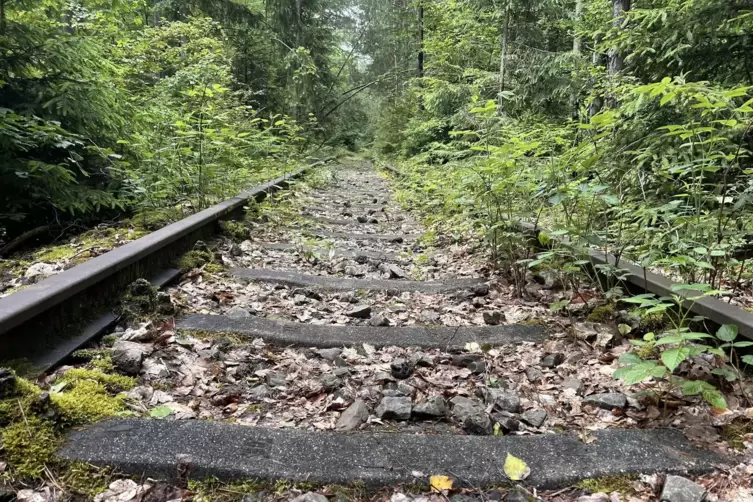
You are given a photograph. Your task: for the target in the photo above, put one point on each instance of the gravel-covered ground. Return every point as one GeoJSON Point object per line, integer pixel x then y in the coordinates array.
{"type": "Point", "coordinates": [562, 384]}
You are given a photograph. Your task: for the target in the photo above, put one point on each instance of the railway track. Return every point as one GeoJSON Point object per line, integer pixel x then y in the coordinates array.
{"type": "Point", "coordinates": [335, 348]}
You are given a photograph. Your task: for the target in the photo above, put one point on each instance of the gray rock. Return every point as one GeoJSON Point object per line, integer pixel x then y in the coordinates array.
{"type": "Point", "coordinates": [679, 489]}
{"type": "Point", "coordinates": [276, 379]}
{"type": "Point", "coordinates": [517, 496]}
{"type": "Point", "coordinates": [534, 418]}
{"type": "Point", "coordinates": [493, 318]}
{"type": "Point", "coordinates": [508, 424]}
{"type": "Point", "coordinates": [431, 407]}
{"type": "Point", "coordinates": [379, 320]}
{"type": "Point", "coordinates": [352, 271]}
{"type": "Point", "coordinates": [237, 313]}
{"type": "Point", "coordinates": [552, 360]}
{"type": "Point", "coordinates": [406, 389]}
{"type": "Point", "coordinates": [360, 312]}
{"type": "Point", "coordinates": [392, 271]}
{"type": "Point", "coordinates": [362, 219]}
{"type": "Point", "coordinates": [604, 336]}
{"type": "Point", "coordinates": [470, 413]}
{"type": "Point", "coordinates": [308, 293]}
{"type": "Point", "coordinates": [534, 375]}
{"type": "Point", "coordinates": [573, 383]}
{"type": "Point", "coordinates": [128, 356]}
{"type": "Point", "coordinates": [607, 400]}
{"type": "Point", "coordinates": [7, 383]}
{"type": "Point", "coordinates": [466, 358]}
{"type": "Point", "coordinates": [503, 399]}
{"type": "Point", "coordinates": [397, 408]}
{"type": "Point", "coordinates": [479, 424]}
{"type": "Point", "coordinates": [401, 369]}
{"type": "Point", "coordinates": [356, 414]}
{"type": "Point", "coordinates": [477, 367]}
{"type": "Point", "coordinates": [43, 269]}
{"type": "Point", "coordinates": [310, 497]}
{"type": "Point", "coordinates": [259, 392]}
{"type": "Point", "coordinates": [341, 372]}
{"type": "Point", "coordinates": [329, 354]}
{"type": "Point", "coordinates": [422, 360]}
{"type": "Point", "coordinates": [330, 381]}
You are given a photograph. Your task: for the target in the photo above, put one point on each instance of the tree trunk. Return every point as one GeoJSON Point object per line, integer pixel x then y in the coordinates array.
{"type": "Point", "coordinates": [616, 61]}
{"type": "Point", "coordinates": [503, 54]}
{"type": "Point", "coordinates": [420, 54]}
{"type": "Point", "coordinates": [578, 15]}
{"type": "Point", "coordinates": [2, 17]}
{"type": "Point", "coordinates": [597, 59]}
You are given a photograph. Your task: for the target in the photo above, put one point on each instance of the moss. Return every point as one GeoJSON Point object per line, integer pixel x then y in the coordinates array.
{"type": "Point", "coordinates": [113, 383]}
{"type": "Point", "coordinates": [22, 367]}
{"type": "Point", "coordinates": [87, 396]}
{"type": "Point", "coordinates": [193, 259]}
{"type": "Point", "coordinates": [235, 230]}
{"type": "Point", "coordinates": [602, 314]}
{"type": "Point", "coordinates": [655, 321]}
{"type": "Point", "coordinates": [109, 340]}
{"type": "Point", "coordinates": [609, 484]}
{"type": "Point", "coordinates": [29, 446]}
{"type": "Point", "coordinates": [20, 403]}
{"type": "Point", "coordinates": [735, 433]}
{"type": "Point", "coordinates": [156, 218]}
{"type": "Point", "coordinates": [85, 479]}
{"type": "Point", "coordinates": [87, 402]}
{"type": "Point", "coordinates": [214, 268]}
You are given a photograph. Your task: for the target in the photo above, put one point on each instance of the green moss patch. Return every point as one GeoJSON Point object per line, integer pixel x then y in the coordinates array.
{"type": "Point", "coordinates": [609, 484]}
{"type": "Point", "coordinates": [29, 446]}
{"type": "Point", "coordinates": [235, 230]}
{"type": "Point", "coordinates": [602, 314]}
{"type": "Point", "coordinates": [194, 259]}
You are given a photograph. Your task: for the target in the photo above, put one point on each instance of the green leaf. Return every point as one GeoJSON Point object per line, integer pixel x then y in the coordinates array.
{"type": "Point", "coordinates": [673, 357]}
{"type": "Point", "coordinates": [160, 412]}
{"type": "Point", "coordinates": [637, 373]}
{"type": "Point", "coordinates": [727, 332]}
{"type": "Point", "coordinates": [747, 359]}
{"type": "Point", "coordinates": [516, 469]}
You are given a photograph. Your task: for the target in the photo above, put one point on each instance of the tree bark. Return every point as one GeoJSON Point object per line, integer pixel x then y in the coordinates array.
{"type": "Point", "coordinates": [578, 14]}
{"type": "Point", "coordinates": [616, 61]}
{"type": "Point", "coordinates": [503, 53]}
{"type": "Point", "coordinates": [420, 54]}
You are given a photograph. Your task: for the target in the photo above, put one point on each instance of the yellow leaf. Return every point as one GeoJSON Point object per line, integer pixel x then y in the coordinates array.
{"type": "Point", "coordinates": [440, 483]}
{"type": "Point", "coordinates": [516, 469]}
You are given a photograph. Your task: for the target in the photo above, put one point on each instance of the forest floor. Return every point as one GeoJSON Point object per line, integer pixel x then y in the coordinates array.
{"type": "Point", "coordinates": [553, 375]}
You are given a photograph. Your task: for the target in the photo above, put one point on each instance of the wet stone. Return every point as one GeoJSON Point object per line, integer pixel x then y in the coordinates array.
{"type": "Point", "coordinates": [679, 489]}
{"type": "Point", "coordinates": [607, 400]}
{"type": "Point", "coordinates": [431, 407]}
{"type": "Point", "coordinates": [534, 418]}
{"type": "Point", "coordinates": [552, 360]}
{"type": "Point", "coordinates": [396, 408]}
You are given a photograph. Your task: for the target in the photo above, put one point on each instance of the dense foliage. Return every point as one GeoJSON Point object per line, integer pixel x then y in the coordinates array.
{"type": "Point", "coordinates": [625, 127]}
{"type": "Point", "coordinates": [111, 107]}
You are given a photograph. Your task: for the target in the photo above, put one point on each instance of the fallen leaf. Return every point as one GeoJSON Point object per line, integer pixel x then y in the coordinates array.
{"type": "Point", "coordinates": [160, 412]}
{"type": "Point", "coordinates": [516, 469]}
{"type": "Point", "coordinates": [440, 483]}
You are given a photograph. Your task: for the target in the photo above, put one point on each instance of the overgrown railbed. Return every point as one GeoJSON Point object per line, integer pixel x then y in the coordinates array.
{"type": "Point", "coordinates": [187, 375]}
{"type": "Point", "coordinates": [80, 293]}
